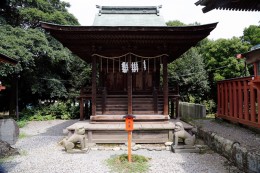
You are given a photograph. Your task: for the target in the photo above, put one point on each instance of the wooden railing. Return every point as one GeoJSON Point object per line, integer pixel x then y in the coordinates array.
{"type": "Point", "coordinates": [238, 101]}
{"type": "Point", "coordinates": [103, 96]}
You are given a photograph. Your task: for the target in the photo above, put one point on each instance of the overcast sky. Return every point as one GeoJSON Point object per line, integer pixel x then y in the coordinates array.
{"type": "Point", "coordinates": [231, 23]}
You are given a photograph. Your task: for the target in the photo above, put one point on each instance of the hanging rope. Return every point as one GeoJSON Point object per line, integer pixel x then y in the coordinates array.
{"type": "Point", "coordinates": [133, 65]}
{"type": "Point", "coordinates": [124, 55]}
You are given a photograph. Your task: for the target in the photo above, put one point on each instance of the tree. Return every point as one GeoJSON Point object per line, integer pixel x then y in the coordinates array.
{"type": "Point", "coordinates": [221, 63]}
{"type": "Point", "coordinates": [252, 35]}
{"type": "Point", "coordinates": [46, 69]}
{"type": "Point", "coordinates": [189, 72]}
{"type": "Point", "coordinates": [28, 13]}
{"type": "Point", "coordinates": [175, 23]}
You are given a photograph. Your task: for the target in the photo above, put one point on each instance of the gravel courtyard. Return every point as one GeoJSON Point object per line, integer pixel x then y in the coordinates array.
{"type": "Point", "coordinates": [41, 153]}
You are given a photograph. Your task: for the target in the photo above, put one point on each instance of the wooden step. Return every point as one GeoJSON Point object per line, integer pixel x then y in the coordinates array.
{"type": "Point", "coordinates": [120, 117]}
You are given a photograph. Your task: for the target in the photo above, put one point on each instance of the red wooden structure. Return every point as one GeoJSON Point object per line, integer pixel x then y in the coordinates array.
{"type": "Point", "coordinates": [238, 99]}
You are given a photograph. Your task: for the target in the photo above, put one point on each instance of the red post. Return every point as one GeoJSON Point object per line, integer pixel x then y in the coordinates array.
{"type": "Point", "coordinates": [222, 99]}
{"type": "Point", "coordinates": [246, 100]}
{"type": "Point", "coordinates": [252, 104]}
{"type": "Point", "coordinates": [219, 97]}
{"type": "Point", "coordinates": [129, 146]}
{"type": "Point", "coordinates": [226, 99]}
{"type": "Point", "coordinates": [235, 99]}
{"type": "Point", "coordinates": [240, 100]}
{"type": "Point", "coordinates": [129, 127]}
{"type": "Point", "coordinates": [230, 99]}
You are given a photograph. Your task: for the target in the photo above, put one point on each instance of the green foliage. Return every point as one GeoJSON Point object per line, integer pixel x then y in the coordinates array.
{"type": "Point", "coordinates": [189, 72]}
{"type": "Point", "coordinates": [39, 117]}
{"type": "Point", "coordinates": [221, 63]}
{"type": "Point", "coordinates": [120, 163]}
{"type": "Point", "coordinates": [252, 35]}
{"type": "Point", "coordinates": [22, 135]}
{"type": "Point", "coordinates": [175, 23]}
{"type": "Point", "coordinates": [22, 123]}
{"type": "Point", "coordinates": [210, 106]}
{"type": "Point", "coordinates": [220, 58]}
{"type": "Point", "coordinates": [43, 64]}
{"type": "Point", "coordinates": [28, 13]}
{"type": "Point", "coordinates": [59, 110]}
{"type": "Point", "coordinates": [46, 70]}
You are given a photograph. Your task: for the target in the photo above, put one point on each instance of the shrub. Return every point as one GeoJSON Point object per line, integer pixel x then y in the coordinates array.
{"type": "Point", "coordinates": [59, 110]}
{"type": "Point", "coordinates": [21, 123]}
{"type": "Point", "coordinates": [210, 106]}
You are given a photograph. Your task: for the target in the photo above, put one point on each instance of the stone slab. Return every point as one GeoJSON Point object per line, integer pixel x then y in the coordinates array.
{"type": "Point", "coordinates": [9, 131]}
{"type": "Point", "coordinates": [185, 149]}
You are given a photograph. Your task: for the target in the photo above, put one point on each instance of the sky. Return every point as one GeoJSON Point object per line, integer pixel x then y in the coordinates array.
{"type": "Point", "coordinates": [230, 23]}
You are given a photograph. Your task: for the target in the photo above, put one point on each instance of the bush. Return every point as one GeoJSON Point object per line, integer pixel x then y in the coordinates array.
{"type": "Point", "coordinates": [58, 110]}
{"type": "Point", "coordinates": [210, 106]}
{"type": "Point", "coordinates": [21, 123]}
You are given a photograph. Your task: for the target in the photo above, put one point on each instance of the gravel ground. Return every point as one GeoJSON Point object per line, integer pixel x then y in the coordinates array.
{"type": "Point", "coordinates": [40, 153]}
{"type": "Point", "coordinates": [247, 138]}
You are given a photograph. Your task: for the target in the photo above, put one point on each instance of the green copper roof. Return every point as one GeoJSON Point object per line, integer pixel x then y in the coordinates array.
{"type": "Point", "coordinates": [129, 16]}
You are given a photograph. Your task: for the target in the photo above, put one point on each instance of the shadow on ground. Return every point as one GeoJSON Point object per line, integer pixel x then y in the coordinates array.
{"type": "Point", "coordinates": [57, 130]}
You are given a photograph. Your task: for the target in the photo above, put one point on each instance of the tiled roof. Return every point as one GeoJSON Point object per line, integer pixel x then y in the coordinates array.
{"type": "Point", "coordinates": [237, 5]}
{"type": "Point", "coordinates": [129, 16]}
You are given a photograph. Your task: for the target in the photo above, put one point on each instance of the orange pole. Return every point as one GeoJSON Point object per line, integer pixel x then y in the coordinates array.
{"type": "Point", "coordinates": [129, 146]}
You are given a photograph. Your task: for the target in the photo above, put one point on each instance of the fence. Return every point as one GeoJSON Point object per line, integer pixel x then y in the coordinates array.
{"type": "Point", "coordinates": [238, 101]}
{"type": "Point", "coordinates": [192, 110]}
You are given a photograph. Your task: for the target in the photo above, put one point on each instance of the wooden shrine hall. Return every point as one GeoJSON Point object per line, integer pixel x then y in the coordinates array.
{"type": "Point", "coordinates": [129, 49]}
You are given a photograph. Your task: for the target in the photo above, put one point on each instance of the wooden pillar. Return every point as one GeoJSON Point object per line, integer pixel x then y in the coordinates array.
{"type": "Point", "coordinates": [94, 85]}
{"type": "Point", "coordinates": [222, 99]}
{"type": "Point", "coordinates": [129, 86]}
{"type": "Point", "coordinates": [177, 107]}
{"type": "Point", "coordinates": [155, 100]}
{"type": "Point", "coordinates": [235, 110]}
{"type": "Point", "coordinates": [230, 113]}
{"type": "Point", "coordinates": [240, 100]}
{"type": "Point", "coordinates": [81, 105]}
{"type": "Point", "coordinates": [226, 99]}
{"type": "Point", "coordinates": [219, 97]}
{"type": "Point", "coordinates": [246, 100]}
{"type": "Point", "coordinates": [252, 104]}
{"type": "Point", "coordinates": [165, 87]}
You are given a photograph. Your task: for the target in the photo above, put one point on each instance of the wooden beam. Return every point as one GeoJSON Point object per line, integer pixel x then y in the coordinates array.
{"type": "Point", "coordinates": [165, 86]}
{"type": "Point", "coordinates": [129, 86]}
{"type": "Point", "coordinates": [94, 85]}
